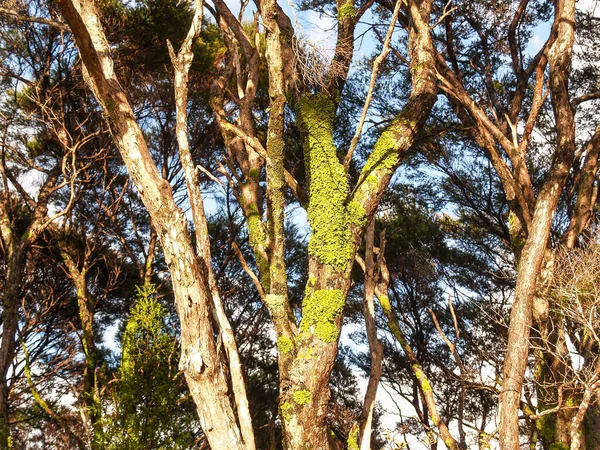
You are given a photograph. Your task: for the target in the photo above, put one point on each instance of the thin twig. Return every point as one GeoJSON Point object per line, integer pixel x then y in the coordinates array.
{"type": "Point", "coordinates": [378, 60]}
{"type": "Point", "coordinates": [248, 270]}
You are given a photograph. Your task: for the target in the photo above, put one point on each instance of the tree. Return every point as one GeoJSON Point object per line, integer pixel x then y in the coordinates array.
{"type": "Point", "coordinates": [495, 184]}
{"type": "Point", "coordinates": [334, 242]}
{"type": "Point", "coordinates": [149, 387]}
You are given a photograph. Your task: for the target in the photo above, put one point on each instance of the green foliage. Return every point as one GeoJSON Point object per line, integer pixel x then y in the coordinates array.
{"type": "Point", "coordinates": [319, 311]}
{"type": "Point", "coordinates": [149, 411]}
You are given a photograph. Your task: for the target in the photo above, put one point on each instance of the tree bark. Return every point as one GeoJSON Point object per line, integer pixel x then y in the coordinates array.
{"type": "Point", "coordinates": [517, 353]}
{"type": "Point", "coordinates": [86, 305]}
{"type": "Point", "coordinates": [338, 221]}
{"type": "Point", "coordinates": [181, 64]}
{"type": "Point", "coordinates": [375, 345]}
{"type": "Point", "coordinates": [200, 360]}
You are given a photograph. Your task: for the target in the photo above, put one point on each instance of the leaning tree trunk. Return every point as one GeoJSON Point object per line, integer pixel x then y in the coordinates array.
{"type": "Point", "coordinates": [515, 362]}
{"type": "Point", "coordinates": [200, 360]}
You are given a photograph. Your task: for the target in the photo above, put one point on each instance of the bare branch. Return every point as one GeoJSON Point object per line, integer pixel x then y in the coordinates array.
{"type": "Point", "coordinates": [24, 18]}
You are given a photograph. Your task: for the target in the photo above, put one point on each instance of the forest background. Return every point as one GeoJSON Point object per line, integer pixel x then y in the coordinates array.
{"type": "Point", "coordinates": [322, 224]}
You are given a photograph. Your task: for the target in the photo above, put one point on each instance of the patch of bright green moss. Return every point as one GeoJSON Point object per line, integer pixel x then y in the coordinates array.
{"type": "Point", "coordinates": [346, 11]}
{"type": "Point", "coordinates": [286, 409]}
{"type": "Point", "coordinates": [319, 311]}
{"type": "Point", "coordinates": [302, 397]}
{"type": "Point", "coordinates": [353, 438]}
{"type": "Point", "coordinates": [328, 213]}
{"type": "Point", "coordinates": [284, 344]}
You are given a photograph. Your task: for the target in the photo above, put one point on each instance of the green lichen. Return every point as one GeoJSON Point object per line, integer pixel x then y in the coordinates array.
{"type": "Point", "coordinates": [425, 386]}
{"type": "Point", "coordinates": [346, 11]}
{"type": "Point", "coordinates": [258, 239]}
{"type": "Point", "coordinates": [422, 378]}
{"type": "Point", "coordinates": [284, 344]}
{"type": "Point", "coordinates": [306, 354]}
{"type": "Point", "coordinates": [353, 438]}
{"type": "Point", "coordinates": [386, 306]}
{"type": "Point", "coordinates": [254, 174]}
{"type": "Point", "coordinates": [302, 397]}
{"type": "Point", "coordinates": [545, 426]}
{"type": "Point", "coordinates": [320, 309]}
{"type": "Point", "coordinates": [559, 446]}
{"type": "Point", "coordinates": [286, 409]}
{"type": "Point", "coordinates": [372, 180]}
{"type": "Point", "coordinates": [356, 214]}
{"type": "Point", "coordinates": [384, 301]}
{"type": "Point", "coordinates": [276, 304]}
{"type": "Point", "coordinates": [385, 154]}
{"type": "Point", "coordinates": [328, 213]}
{"type": "Point", "coordinates": [256, 235]}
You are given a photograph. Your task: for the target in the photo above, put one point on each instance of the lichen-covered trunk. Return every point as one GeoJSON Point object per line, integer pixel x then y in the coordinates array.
{"type": "Point", "coordinates": [200, 361]}
{"type": "Point", "coordinates": [338, 220]}
{"type": "Point", "coordinates": [305, 394]}
{"type": "Point", "coordinates": [305, 383]}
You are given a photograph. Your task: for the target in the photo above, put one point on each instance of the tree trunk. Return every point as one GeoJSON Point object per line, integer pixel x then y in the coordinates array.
{"type": "Point", "coordinates": [200, 360]}
{"type": "Point", "coordinates": [86, 305]}
{"type": "Point", "coordinates": [10, 314]}
{"type": "Point", "coordinates": [530, 263]}
{"type": "Point", "coordinates": [375, 345]}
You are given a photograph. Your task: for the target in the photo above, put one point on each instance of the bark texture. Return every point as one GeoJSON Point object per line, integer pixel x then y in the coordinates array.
{"type": "Point", "coordinates": [515, 362]}
{"type": "Point", "coordinates": [200, 360]}
{"type": "Point", "coordinates": [372, 273]}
